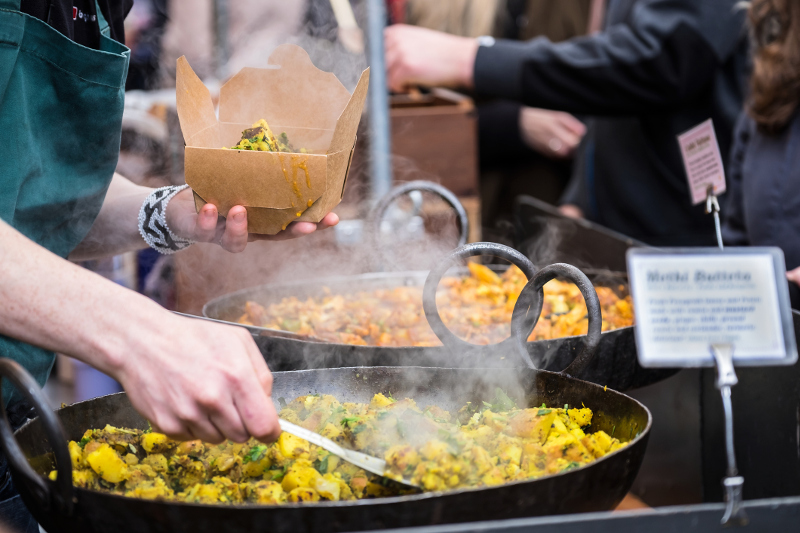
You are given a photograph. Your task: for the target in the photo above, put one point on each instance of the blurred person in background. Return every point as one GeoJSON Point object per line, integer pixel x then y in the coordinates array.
{"type": "Point", "coordinates": [522, 150]}
{"type": "Point", "coordinates": [658, 68]}
{"type": "Point", "coordinates": [144, 30]}
{"type": "Point", "coordinates": [60, 198]}
{"type": "Point", "coordinates": [764, 177]}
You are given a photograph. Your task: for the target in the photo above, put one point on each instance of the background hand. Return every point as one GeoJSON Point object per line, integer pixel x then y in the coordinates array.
{"type": "Point", "coordinates": [553, 134]}
{"type": "Point", "coordinates": [794, 276]}
{"type": "Point", "coordinates": [571, 211]}
{"type": "Point", "coordinates": [231, 232]}
{"type": "Point", "coordinates": [419, 56]}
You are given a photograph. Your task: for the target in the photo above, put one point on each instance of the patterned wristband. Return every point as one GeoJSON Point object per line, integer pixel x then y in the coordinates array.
{"type": "Point", "coordinates": [153, 222]}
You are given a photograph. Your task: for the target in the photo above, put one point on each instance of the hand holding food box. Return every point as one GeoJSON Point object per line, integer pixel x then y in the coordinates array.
{"type": "Point", "coordinates": [293, 104]}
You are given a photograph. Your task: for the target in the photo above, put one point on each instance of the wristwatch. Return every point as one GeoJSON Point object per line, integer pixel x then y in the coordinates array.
{"type": "Point", "coordinates": [485, 40]}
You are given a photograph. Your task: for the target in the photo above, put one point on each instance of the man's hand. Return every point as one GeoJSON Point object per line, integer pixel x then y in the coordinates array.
{"type": "Point", "coordinates": [195, 380]}
{"type": "Point", "coordinates": [551, 133]}
{"type": "Point", "coordinates": [418, 56]}
{"type": "Point", "coordinates": [231, 232]}
{"type": "Point", "coordinates": [571, 211]}
{"type": "Point", "coordinates": [794, 276]}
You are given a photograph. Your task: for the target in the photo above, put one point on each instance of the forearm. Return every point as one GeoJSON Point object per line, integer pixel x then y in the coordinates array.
{"type": "Point", "coordinates": [662, 58]}
{"type": "Point", "coordinates": [116, 228]}
{"type": "Point", "coordinates": [51, 303]}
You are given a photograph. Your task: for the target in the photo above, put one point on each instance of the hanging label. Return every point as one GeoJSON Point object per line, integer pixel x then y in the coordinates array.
{"type": "Point", "coordinates": [702, 161]}
{"type": "Point", "coordinates": [687, 299]}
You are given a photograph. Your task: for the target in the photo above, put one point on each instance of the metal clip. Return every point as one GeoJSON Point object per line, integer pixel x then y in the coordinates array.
{"type": "Point", "coordinates": [712, 206]}
{"type": "Point", "coordinates": [723, 355]}
{"type": "Point", "coordinates": [734, 514]}
{"type": "Point", "coordinates": [733, 483]}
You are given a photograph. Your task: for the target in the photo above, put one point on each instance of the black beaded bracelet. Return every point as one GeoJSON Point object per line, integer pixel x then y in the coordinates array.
{"type": "Point", "coordinates": [153, 222]}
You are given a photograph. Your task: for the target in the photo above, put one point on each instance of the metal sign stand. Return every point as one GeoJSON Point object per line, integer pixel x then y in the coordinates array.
{"type": "Point", "coordinates": [726, 378]}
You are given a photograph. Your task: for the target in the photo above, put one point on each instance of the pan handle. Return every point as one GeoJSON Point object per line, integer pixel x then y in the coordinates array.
{"type": "Point", "coordinates": [448, 338]}
{"type": "Point", "coordinates": [53, 496]}
{"type": "Point", "coordinates": [532, 297]}
{"type": "Point", "coordinates": [376, 215]}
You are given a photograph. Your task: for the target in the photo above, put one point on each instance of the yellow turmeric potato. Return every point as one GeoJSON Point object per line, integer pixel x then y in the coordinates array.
{"type": "Point", "coordinates": [327, 486]}
{"type": "Point", "coordinates": [75, 454]}
{"type": "Point", "coordinates": [533, 423]}
{"type": "Point", "coordinates": [582, 417]}
{"type": "Point", "coordinates": [154, 442]}
{"type": "Point", "coordinates": [85, 478]}
{"type": "Point", "coordinates": [108, 464]}
{"type": "Point", "coordinates": [379, 400]}
{"type": "Point", "coordinates": [302, 475]}
{"type": "Point", "coordinates": [303, 494]}
{"type": "Point", "coordinates": [266, 492]}
{"type": "Point", "coordinates": [157, 462]}
{"type": "Point", "coordinates": [293, 447]}
{"type": "Point", "coordinates": [153, 489]}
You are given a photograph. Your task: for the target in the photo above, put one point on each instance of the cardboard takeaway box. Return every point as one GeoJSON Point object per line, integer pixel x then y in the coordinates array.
{"type": "Point", "coordinates": [311, 106]}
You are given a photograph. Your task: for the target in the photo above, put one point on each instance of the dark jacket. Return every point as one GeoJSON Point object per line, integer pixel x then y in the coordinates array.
{"type": "Point", "coordinates": [764, 192]}
{"type": "Point", "coordinates": [659, 68]}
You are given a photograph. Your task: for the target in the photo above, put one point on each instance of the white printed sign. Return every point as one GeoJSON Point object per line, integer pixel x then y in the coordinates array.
{"type": "Point", "coordinates": [687, 299]}
{"type": "Point", "coordinates": [702, 161]}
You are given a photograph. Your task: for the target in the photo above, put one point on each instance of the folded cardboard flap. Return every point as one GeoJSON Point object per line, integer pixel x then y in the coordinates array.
{"type": "Point", "coordinates": [311, 106]}
{"type": "Point", "coordinates": [195, 108]}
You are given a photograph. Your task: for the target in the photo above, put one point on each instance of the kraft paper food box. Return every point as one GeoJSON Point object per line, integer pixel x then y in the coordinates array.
{"type": "Point", "coordinates": [311, 106]}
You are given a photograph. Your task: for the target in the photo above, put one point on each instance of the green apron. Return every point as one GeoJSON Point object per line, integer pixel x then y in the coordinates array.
{"type": "Point", "coordinates": [60, 122]}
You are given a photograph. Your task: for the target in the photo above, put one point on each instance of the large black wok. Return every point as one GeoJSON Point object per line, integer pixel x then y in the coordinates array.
{"type": "Point", "coordinates": [599, 486]}
{"type": "Point", "coordinates": [616, 364]}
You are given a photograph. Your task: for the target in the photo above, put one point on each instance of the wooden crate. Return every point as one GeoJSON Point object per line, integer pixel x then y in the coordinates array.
{"type": "Point", "coordinates": [435, 137]}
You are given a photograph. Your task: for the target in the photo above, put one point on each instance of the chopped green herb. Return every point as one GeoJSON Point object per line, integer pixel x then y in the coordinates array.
{"type": "Point", "coordinates": [255, 454]}
{"type": "Point", "coordinates": [282, 402]}
{"type": "Point", "coordinates": [572, 465]}
{"type": "Point", "coordinates": [543, 406]}
{"type": "Point", "coordinates": [543, 412]}
{"type": "Point", "coordinates": [566, 407]}
{"type": "Point", "coordinates": [401, 428]}
{"type": "Point", "coordinates": [275, 475]}
{"type": "Point", "coordinates": [348, 420]}
{"type": "Point", "coordinates": [84, 441]}
{"type": "Point", "coordinates": [613, 429]}
{"type": "Point", "coordinates": [502, 401]}
{"type": "Point", "coordinates": [323, 465]}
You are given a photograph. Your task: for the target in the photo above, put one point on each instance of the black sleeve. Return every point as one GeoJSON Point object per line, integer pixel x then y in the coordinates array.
{"type": "Point", "coordinates": [577, 190]}
{"type": "Point", "coordinates": [498, 132]}
{"type": "Point", "coordinates": [666, 54]}
{"type": "Point", "coordinates": [734, 228]}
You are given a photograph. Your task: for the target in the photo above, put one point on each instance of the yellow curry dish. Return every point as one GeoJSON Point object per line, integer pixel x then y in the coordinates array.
{"type": "Point", "coordinates": [260, 138]}
{"type": "Point", "coordinates": [477, 308]}
{"type": "Point", "coordinates": [478, 446]}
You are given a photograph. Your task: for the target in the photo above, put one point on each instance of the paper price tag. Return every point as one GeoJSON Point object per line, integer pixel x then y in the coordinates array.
{"type": "Point", "coordinates": [702, 161]}
{"type": "Point", "coordinates": [686, 299]}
